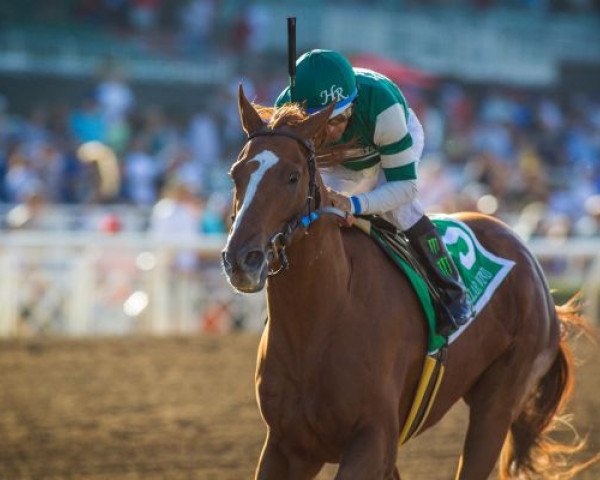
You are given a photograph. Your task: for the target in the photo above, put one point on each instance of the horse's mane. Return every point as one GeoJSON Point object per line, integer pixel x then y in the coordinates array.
{"type": "Point", "coordinates": [293, 114]}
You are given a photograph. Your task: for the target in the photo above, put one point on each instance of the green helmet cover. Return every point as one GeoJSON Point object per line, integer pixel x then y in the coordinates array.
{"type": "Point", "coordinates": [323, 76]}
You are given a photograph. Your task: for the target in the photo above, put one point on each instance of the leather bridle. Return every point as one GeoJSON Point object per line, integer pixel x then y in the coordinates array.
{"type": "Point", "coordinates": [281, 239]}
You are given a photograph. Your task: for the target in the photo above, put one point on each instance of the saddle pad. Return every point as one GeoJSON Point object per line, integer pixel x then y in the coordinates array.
{"type": "Point", "coordinates": [481, 271]}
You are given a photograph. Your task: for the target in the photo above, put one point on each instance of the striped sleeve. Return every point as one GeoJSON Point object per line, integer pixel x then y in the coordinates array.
{"type": "Point", "coordinates": [393, 142]}
{"type": "Point", "coordinates": [386, 197]}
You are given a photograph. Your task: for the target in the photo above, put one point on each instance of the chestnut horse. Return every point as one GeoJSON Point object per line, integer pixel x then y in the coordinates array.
{"type": "Point", "coordinates": [342, 351]}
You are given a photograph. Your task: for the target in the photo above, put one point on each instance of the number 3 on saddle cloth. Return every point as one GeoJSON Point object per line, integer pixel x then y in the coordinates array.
{"type": "Point", "coordinates": [481, 272]}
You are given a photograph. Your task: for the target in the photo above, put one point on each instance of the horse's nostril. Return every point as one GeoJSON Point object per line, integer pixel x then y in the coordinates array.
{"type": "Point", "coordinates": [253, 259]}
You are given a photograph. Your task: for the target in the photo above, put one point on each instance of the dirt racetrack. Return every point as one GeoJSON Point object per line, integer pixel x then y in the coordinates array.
{"type": "Point", "coordinates": [177, 408]}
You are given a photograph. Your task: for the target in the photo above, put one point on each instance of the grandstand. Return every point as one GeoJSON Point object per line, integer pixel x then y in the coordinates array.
{"type": "Point", "coordinates": [507, 91]}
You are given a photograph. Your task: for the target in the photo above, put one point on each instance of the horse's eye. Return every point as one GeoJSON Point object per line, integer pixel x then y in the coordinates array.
{"type": "Point", "coordinates": [294, 177]}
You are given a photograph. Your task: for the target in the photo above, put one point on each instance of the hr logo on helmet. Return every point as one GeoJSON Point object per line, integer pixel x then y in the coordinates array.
{"type": "Point", "coordinates": [332, 94]}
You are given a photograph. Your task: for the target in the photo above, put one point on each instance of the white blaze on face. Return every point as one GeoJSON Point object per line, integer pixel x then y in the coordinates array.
{"type": "Point", "coordinates": [265, 161]}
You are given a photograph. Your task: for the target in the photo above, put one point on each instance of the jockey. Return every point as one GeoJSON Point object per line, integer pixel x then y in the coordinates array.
{"type": "Point", "coordinates": [380, 175]}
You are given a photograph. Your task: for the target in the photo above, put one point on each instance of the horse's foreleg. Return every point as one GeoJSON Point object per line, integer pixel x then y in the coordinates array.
{"type": "Point", "coordinates": [371, 455]}
{"type": "Point", "coordinates": [277, 464]}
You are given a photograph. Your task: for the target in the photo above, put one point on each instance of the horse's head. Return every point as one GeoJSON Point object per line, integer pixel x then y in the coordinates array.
{"type": "Point", "coordinates": [273, 177]}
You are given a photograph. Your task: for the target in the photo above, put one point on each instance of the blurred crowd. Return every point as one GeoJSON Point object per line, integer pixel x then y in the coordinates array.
{"type": "Point", "coordinates": [532, 159]}
{"type": "Point", "coordinates": [110, 150]}
{"type": "Point", "coordinates": [170, 28]}
{"type": "Point", "coordinates": [201, 17]}
{"type": "Point", "coordinates": [194, 27]}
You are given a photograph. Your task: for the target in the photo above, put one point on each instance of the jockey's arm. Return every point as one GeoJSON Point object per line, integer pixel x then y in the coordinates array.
{"type": "Point", "coordinates": [394, 142]}
{"type": "Point", "coordinates": [386, 197]}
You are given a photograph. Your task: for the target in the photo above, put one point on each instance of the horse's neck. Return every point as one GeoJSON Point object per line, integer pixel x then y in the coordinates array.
{"type": "Point", "coordinates": [303, 296]}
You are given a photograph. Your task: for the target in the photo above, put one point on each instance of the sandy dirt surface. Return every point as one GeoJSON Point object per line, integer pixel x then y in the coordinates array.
{"type": "Point", "coordinates": [177, 408]}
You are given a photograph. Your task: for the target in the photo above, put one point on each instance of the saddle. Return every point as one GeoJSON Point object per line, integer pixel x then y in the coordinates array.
{"type": "Point", "coordinates": [395, 244]}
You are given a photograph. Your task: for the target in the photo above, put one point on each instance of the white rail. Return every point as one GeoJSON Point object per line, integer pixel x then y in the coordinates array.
{"type": "Point", "coordinates": [87, 284]}
{"type": "Point", "coordinates": [578, 267]}
{"type": "Point", "coordinates": [90, 284]}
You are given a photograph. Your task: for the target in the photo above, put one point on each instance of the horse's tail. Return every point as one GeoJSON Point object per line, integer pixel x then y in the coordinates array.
{"type": "Point", "coordinates": [528, 448]}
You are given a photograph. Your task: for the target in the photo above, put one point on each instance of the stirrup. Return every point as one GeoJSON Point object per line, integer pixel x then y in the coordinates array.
{"type": "Point", "coordinates": [461, 320]}
{"type": "Point", "coordinates": [449, 323]}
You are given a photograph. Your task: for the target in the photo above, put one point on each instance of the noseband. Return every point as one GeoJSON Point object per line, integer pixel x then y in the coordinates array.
{"type": "Point", "coordinates": [281, 239]}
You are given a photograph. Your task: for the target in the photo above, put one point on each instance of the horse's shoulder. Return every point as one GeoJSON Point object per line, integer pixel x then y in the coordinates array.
{"type": "Point", "coordinates": [352, 236]}
{"type": "Point", "coordinates": [358, 244]}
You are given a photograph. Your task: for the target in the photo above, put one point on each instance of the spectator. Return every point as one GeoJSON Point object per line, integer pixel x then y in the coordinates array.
{"type": "Point", "coordinates": [204, 140]}
{"type": "Point", "coordinates": [216, 213]}
{"type": "Point", "coordinates": [178, 211]}
{"type": "Point", "coordinates": [21, 179]}
{"type": "Point", "coordinates": [142, 172]}
{"type": "Point", "coordinates": [87, 122]}
{"type": "Point", "coordinates": [49, 164]}
{"type": "Point", "coordinates": [197, 19]}
{"type": "Point", "coordinates": [115, 98]}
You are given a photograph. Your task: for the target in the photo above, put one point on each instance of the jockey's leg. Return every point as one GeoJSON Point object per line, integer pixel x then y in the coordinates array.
{"type": "Point", "coordinates": [276, 464]}
{"type": "Point", "coordinates": [431, 251]}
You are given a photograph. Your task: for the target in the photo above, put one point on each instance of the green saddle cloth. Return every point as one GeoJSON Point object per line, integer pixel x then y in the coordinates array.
{"type": "Point", "coordinates": [480, 270]}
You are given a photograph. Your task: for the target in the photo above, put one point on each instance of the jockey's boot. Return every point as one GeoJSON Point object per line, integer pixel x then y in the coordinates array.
{"type": "Point", "coordinates": [433, 255]}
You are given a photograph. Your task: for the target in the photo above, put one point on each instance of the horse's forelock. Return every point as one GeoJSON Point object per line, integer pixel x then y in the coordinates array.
{"type": "Point", "coordinates": [288, 114]}
{"type": "Point", "coordinates": [293, 114]}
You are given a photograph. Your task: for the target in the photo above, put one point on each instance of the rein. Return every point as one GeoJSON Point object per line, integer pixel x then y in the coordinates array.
{"type": "Point", "coordinates": [281, 240]}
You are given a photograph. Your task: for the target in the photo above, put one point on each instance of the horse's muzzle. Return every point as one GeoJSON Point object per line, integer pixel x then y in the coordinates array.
{"type": "Point", "coordinates": [246, 269]}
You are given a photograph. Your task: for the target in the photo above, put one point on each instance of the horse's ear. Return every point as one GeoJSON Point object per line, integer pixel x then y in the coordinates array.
{"type": "Point", "coordinates": [316, 122]}
{"type": "Point", "coordinates": [250, 118]}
